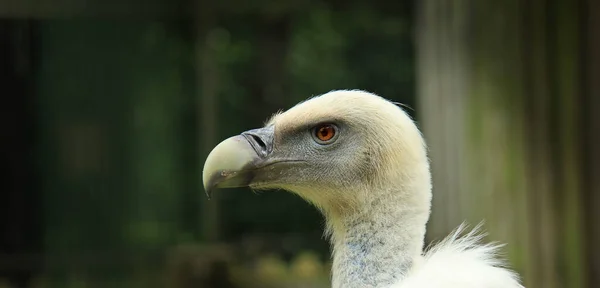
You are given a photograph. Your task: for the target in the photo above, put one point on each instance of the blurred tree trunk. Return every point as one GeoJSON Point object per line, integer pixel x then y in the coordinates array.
{"type": "Point", "coordinates": [590, 133]}
{"type": "Point", "coordinates": [496, 86]}
{"type": "Point", "coordinates": [267, 84]}
{"type": "Point", "coordinates": [273, 49]}
{"type": "Point", "coordinates": [207, 95]}
{"type": "Point", "coordinates": [20, 207]}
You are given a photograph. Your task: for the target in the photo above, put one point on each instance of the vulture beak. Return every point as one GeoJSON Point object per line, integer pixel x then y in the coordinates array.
{"type": "Point", "coordinates": [234, 161]}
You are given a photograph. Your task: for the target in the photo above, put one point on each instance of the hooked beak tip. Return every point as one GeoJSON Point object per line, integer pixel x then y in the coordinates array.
{"type": "Point", "coordinates": [230, 164]}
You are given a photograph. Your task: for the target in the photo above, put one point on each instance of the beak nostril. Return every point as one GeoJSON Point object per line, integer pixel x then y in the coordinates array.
{"type": "Point", "coordinates": [260, 142]}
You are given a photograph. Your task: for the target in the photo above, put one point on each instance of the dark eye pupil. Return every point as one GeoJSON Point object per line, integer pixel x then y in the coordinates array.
{"type": "Point", "coordinates": [325, 133]}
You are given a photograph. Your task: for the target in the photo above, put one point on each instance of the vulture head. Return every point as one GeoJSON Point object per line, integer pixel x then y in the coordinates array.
{"type": "Point", "coordinates": [338, 151]}
{"type": "Point", "coordinates": [362, 161]}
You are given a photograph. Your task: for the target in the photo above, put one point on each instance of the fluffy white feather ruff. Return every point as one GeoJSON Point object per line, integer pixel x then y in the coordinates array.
{"type": "Point", "coordinates": [461, 262]}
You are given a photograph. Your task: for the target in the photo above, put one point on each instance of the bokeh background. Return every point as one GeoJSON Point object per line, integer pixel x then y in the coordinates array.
{"type": "Point", "coordinates": [110, 108]}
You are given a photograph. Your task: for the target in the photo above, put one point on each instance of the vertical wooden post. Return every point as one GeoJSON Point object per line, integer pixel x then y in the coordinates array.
{"type": "Point", "coordinates": [590, 59]}
{"type": "Point", "coordinates": [496, 86]}
{"type": "Point", "coordinates": [207, 92]}
{"type": "Point", "coordinates": [443, 83]}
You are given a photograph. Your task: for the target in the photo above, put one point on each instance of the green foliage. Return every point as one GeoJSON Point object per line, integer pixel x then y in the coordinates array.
{"type": "Point", "coordinates": [120, 113]}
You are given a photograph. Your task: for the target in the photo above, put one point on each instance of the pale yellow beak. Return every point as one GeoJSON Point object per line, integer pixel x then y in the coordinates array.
{"type": "Point", "coordinates": [233, 162]}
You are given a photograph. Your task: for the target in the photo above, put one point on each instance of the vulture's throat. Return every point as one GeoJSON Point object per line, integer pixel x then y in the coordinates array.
{"type": "Point", "coordinates": [377, 246]}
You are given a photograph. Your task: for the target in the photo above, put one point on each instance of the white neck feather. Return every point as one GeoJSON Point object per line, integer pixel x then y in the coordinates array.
{"type": "Point", "coordinates": [377, 245]}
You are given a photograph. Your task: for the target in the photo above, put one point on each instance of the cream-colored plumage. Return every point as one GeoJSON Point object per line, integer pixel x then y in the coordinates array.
{"type": "Point", "coordinates": [372, 182]}
{"type": "Point", "coordinates": [461, 262]}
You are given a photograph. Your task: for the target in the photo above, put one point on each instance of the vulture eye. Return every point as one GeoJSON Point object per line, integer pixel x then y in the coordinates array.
{"type": "Point", "coordinates": [325, 133]}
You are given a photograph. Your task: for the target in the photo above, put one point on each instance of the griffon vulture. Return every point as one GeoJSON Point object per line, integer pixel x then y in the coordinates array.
{"type": "Point", "coordinates": [363, 162]}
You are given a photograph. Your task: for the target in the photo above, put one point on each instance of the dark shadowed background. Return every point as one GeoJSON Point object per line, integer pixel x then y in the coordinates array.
{"type": "Point", "coordinates": [109, 110]}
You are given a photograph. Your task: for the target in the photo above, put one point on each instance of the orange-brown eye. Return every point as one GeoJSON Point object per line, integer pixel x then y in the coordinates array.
{"type": "Point", "coordinates": [324, 134]}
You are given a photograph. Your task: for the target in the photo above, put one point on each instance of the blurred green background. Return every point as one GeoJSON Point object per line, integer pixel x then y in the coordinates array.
{"type": "Point", "coordinates": [109, 110]}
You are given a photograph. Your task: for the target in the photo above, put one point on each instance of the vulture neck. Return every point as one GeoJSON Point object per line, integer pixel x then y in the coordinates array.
{"type": "Point", "coordinates": [376, 245]}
